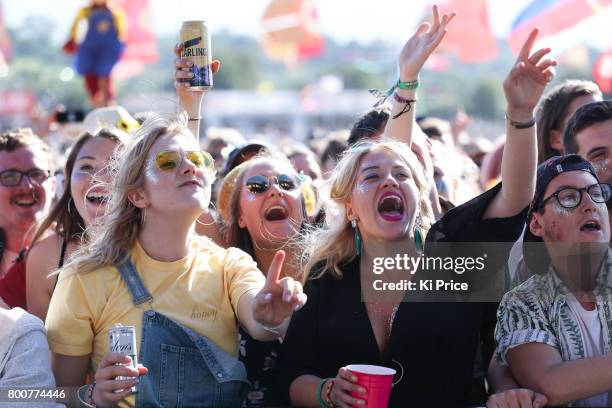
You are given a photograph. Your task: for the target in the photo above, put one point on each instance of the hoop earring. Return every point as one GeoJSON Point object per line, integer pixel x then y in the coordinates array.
{"type": "Point", "coordinates": [357, 237]}
{"type": "Point", "coordinates": [70, 205]}
{"type": "Point", "coordinates": [143, 216]}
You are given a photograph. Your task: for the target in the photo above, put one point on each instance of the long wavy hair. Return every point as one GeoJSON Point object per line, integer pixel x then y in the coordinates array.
{"type": "Point", "coordinates": [327, 248]}
{"type": "Point", "coordinates": [114, 234]}
{"type": "Point", "coordinates": [64, 217]}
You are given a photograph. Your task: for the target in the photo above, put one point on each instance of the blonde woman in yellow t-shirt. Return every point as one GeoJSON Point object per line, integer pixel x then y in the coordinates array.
{"type": "Point", "coordinates": [145, 267]}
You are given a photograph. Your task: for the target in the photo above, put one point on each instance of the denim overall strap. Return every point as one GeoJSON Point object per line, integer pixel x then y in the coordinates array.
{"type": "Point", "coordinates": [130, 276]}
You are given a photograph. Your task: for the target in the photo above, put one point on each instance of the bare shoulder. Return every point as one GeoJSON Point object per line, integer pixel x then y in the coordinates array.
{"type": "Point", "coordinates": [44, 255]}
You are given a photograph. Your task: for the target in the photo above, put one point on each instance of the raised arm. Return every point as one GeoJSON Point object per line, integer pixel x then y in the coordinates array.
{"type": "Point", "coordinates": [523, 88]}
{"type": "Point", "coordinates": [189, 101]}
{"type": "Point", "coordinates": [412, 58]}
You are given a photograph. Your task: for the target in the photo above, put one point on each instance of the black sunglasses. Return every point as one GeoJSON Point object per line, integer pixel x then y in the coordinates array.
{"type": "Point", "coordinates": [12, 178]}
{"type": "Point", "coordinates": [261, 184]}
{"type": "Point", "coordinates": [570, 197]}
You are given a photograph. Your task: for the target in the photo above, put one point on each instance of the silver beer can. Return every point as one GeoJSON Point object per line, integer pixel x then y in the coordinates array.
{"type": "Point", "coordinates": [122, 339]}
{"type": "Point", "coordinates": [195, 38]}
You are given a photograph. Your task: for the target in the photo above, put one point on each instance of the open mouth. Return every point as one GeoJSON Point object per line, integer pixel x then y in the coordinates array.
{"type": "Point", "coordinates": [591, 226]}
{"type": "Point", "coordinates": [391, 207]}
{"type": "Point", "coordinates": [25, 200]}
{"type": "Point", "coordinates": [276, 213]}
{"type": "Point", "coordinates": [96, 198]}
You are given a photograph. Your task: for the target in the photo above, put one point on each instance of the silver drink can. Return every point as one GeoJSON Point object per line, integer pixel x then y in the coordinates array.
{"type": "Point", "coordinates": [195, 38]}
{"type": "Point", "coordinates": [122, 339]}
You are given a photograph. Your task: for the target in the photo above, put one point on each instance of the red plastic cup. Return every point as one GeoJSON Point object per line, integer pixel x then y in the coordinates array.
{"type": "Point", "coordinates": [376, 380]}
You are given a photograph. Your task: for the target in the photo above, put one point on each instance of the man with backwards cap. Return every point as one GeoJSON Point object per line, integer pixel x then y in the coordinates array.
{"type": "Point", "coordinates": [555, 331]}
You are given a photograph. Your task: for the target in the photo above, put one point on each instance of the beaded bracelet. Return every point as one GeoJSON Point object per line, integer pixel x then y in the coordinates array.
{"type": "Point", "coordinates": [330, 387]}
{"type": "Point", "coordinates": [409, 86]}
{"type": "Point", "coordinates": [84, 396]}
{"type": "Point", "coordinates": [319, 390]}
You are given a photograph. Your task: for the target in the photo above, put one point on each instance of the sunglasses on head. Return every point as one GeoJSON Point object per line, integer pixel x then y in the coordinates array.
{"type": "Point", "coordinates": [170, 160]}
{"type": "Point", "coordinates": [261, 184]}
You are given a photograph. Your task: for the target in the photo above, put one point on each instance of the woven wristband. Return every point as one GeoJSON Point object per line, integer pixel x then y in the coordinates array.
{"type": "Point", "coordinates": [320, 399]}
{"type": "Point", "coordinates": [408, 86]}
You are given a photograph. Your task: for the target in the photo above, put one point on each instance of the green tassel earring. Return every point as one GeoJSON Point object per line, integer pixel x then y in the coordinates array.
{"type": "Point", "coordinates": [357, 237]}
{"type": "Point", "coordinates": [418, 240]}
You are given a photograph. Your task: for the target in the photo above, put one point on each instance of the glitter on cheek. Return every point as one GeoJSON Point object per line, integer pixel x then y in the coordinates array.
{"type": "Point", "coordinates": [250, 197]}
{"type": "Point", "coordinates": [152, 174]}
{"type": "Point", "coordinates": [600, 165]}
{"type": "Point", "coordinates": [362, 188]}
{"type": "Point", "coordinates": [559, 209]}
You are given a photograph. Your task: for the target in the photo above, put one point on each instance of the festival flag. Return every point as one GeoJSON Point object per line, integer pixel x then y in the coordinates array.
{"type": "Point", "coordinates": [562, 23]}
{"type": "Point", "coordinates": [6, 52]}
{"type": "Point", "coordinates": [470, 37]}
{"type": "Point", "coordinates": [290, 31]}
{"type": "Point", "coordinates": [141, 44]}
{"type": "Point", "coordinates": [602, 72]}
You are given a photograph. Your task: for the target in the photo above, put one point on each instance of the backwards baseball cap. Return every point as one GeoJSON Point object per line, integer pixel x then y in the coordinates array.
{"type": "Point", "coordinates": [536, 257]}
{"type": "Point", "coordinates": [243, 153]}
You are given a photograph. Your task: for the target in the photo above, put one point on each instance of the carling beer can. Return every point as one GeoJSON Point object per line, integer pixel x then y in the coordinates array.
{"type": "Point", "coordinates": [196, 48]}
{"type": "Point", "coordinates": [122, 339]}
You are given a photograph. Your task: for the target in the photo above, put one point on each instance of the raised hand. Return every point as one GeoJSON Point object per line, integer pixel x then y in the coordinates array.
{"type": "Point", "coordinates": [278, 299]}
{"type": "Point", "coordinates": [526, 81]}
{"type": "Point", "coordinates": [189, 100]}
{"type": "Point", "coordinates": [420, 46]}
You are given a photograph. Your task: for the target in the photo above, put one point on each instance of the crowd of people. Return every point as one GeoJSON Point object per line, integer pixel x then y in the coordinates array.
{"type": "Point", "coordinates": [243, 264]}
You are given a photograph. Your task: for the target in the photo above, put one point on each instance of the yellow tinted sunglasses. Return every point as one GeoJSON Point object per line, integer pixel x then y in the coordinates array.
{"type": "Point", "coordinates": [170, 160]}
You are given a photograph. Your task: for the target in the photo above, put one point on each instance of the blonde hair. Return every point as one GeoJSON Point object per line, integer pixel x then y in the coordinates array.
{"type": "Point", "coordinates": [328, 248]}
{"type": "Point", "coordinates": [115, 233]}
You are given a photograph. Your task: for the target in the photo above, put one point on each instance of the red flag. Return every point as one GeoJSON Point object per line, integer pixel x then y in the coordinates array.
{"type": "Point", "coordinates": [5, 42]}
{"type": "Point", "coordinates": [470, 37]}
{"type": "Point", "coordinates": [291, 31]}
{"type": "Point", "coordinates": [553, 17]}
{"type": "Point", "coordinates": [602, 72]}
{"type": "Point", "coordinates": [141, 44]}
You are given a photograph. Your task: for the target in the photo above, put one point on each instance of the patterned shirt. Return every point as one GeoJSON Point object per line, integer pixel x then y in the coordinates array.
{"type": "Point", "coordinates": [537, 312]}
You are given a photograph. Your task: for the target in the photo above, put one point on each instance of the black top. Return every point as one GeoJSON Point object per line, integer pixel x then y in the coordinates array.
{"type": "Point", "coordinates": [435, 344]}
{"type": "Point", "coordinates": [259, 358]}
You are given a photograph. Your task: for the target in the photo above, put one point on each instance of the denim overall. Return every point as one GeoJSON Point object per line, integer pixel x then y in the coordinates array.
{"type": "Point", "coordinates": [185, 368]}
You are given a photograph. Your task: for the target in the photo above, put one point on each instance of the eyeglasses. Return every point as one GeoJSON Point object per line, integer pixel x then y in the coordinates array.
{"type": "Point", "coordinates": [169, 160]}
{"type": "Point", "coordinates": [571, 197]}
{"type": "Point", "coordinates": [261, 184]}
{"type": "Point", "coordinates": [12, 178]}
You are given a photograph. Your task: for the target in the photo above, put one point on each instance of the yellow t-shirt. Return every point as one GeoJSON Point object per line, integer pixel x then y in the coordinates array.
{"type": "Point", "coordinates": [200, 291]}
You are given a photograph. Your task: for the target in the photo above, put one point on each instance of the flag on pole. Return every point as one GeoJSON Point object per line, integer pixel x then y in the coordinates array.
{"type": "Point", "coordinates": [290, 31]}
{"type": "Point", "coordinates": [141, 44]}
{"type": "Point", "coordinates": [470, 37]}
{"type": "Point", "coordinates": [563, 23]}
{"type": "Point", "coordinates": [6, 52]}
{"type": "Point", "coordinates": [602, 72]}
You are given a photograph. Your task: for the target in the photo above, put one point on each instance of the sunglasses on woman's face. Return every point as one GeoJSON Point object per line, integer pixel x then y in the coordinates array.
{"type": "Point", "coordinates": [170, 160]}
{"type": "Point", "coordinates": [261, 184]}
